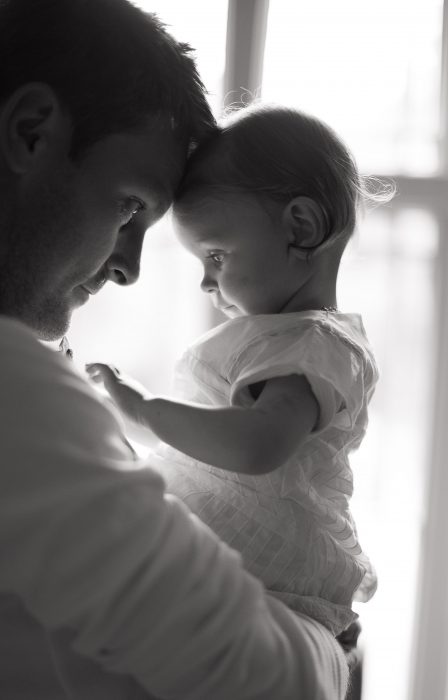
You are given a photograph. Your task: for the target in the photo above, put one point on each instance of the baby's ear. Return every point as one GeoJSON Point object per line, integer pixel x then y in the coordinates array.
{"type": "Point", "coordinates": [305, 224]}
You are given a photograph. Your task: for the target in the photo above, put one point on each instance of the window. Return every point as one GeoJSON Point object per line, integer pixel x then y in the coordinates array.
{"type": "Point", "coordinates": [388, 275]}
{"type": "Point", "coordinates": [373, 71]}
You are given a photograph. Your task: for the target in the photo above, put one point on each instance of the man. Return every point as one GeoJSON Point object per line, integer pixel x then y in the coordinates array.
{"type": "Point", "coordinates": [108, 589]}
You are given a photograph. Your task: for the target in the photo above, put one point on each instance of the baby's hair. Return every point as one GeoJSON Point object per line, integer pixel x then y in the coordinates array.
{"type": "Point", "coordinates": [281, 153]}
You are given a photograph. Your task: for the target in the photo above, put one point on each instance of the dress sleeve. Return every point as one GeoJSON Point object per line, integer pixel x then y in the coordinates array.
{"type": "Point", "coordinates": [90, 543]}
{"type": "Point", "coordinates": [333, 366]}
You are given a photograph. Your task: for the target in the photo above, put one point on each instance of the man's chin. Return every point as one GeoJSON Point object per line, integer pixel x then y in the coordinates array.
{"type": "Point", "coordinates": [52, 320]}
{"type": "Point", "coordinates": [51, 332]}
{"type": "Point", "coordinates": [50, 323]}
{"type": "Point", "coordinates": [47, 315]}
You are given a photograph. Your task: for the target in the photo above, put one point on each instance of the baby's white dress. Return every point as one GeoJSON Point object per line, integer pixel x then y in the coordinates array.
{"type": "Point", "coordinates": [292, 526]}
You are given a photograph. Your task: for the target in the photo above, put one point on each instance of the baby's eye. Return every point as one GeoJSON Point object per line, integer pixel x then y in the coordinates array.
{"type": "Point", "coordinates": [128, 208]}
{"type": "Point", "coordinates": [217, 257]}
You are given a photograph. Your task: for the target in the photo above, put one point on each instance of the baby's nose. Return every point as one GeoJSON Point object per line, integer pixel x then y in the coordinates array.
{"type": "Point", "coordinates": [208, 284]}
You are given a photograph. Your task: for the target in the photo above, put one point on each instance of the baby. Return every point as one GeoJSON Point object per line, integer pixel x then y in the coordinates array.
{"type": "Point", "coordinates": [272, 401]}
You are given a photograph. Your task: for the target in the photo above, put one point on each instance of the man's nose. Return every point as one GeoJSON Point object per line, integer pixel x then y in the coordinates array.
{"type": "Point", "coordinates": [122, 270]}
{"type": "Point", "coordinates": [123, 265]}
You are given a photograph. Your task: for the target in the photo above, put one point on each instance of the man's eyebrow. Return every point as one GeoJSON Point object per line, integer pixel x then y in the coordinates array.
{"type": "Point", "coordinates": [156, 200]}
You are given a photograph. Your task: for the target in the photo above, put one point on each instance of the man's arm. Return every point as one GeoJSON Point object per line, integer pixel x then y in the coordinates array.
{"type": "Point", "coordinates": [90, 543]}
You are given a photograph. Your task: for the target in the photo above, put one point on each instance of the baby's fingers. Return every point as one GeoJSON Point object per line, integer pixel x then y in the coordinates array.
{"type": "Point", "coordinates": [99, 372]}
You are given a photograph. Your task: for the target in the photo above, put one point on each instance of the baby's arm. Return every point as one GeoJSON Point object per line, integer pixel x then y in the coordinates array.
{"type": "Point", "coordinates": [253, 440]}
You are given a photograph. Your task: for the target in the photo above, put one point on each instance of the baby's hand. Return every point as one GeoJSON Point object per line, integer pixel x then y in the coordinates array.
{"type": "Point", "coordinates": [128, 394]}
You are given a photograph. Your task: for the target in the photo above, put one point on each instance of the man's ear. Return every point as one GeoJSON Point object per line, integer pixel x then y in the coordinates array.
{"type": "Point", "coordinates": [306, 225]}
{"type": "Point", "coordinates": [31, 121]}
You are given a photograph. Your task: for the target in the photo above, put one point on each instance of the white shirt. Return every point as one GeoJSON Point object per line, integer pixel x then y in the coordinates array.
{"type": "Point", "coordinates": [293, 526]}
{"type": "Point", "coordinates": [101, 574]}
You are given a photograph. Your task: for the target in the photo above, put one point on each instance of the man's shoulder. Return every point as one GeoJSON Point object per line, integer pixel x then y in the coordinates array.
{"type": "Point", "coordinates": [22, 355]}
{"type": "Point", "coordinates": [42, 393]}
{"type": "Point", "coordinates": [37, 377]}
{"type": "Point", "coordinates": [13, 331]}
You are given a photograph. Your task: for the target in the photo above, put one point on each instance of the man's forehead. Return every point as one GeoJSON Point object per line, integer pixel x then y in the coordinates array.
{"type": "Point", "coordinates": [156, 157]}
{"type": "Point", "coordinates": [149, 162]}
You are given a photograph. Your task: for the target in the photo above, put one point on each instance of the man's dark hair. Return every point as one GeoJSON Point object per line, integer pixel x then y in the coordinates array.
{"type": "Point", "coordinates": [111, 65]}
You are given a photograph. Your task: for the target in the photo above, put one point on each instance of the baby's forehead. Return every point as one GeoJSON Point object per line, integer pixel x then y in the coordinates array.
{"type": "Point", "coordinates": [214, 208]}
{"type": "Point", "coordinates": [199, 215]}
{"type": "Point", "coordinates": [203, 203]}
{"type": "Point", "coordinates": [200, 235]}
{"type": "Point", "coordinates": [204, 220]}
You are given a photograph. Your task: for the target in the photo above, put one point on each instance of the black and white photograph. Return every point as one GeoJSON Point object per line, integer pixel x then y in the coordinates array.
{"type": "Point", "coordinates": [223, 350]}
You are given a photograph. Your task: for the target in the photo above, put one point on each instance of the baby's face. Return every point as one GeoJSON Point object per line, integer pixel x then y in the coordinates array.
{"type": "Point", "coordinates": [244, 251]}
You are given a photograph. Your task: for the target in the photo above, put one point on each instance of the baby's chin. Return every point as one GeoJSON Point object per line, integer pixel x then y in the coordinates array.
{"type": "Point", "coordinates": [233, 312]}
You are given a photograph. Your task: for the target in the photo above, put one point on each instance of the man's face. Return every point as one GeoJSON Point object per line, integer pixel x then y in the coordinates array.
{"type": "Point", "coordinates": [75, 225]}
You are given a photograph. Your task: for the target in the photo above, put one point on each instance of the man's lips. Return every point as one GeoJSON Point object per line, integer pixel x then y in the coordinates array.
{"type": "Point", "coordinates": [94, 287]}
